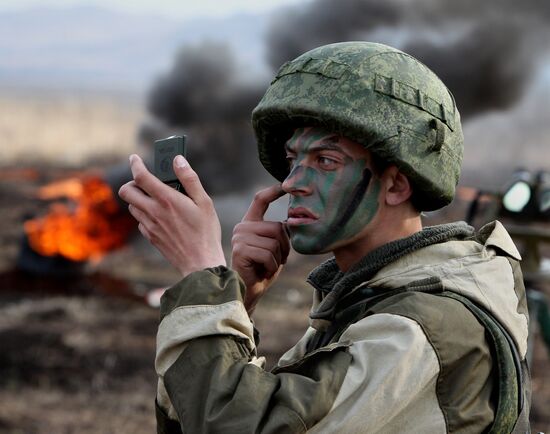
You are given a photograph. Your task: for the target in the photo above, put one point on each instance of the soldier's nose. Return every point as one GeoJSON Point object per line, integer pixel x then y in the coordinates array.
{"type": "Point", "coordinates": [296, 182]}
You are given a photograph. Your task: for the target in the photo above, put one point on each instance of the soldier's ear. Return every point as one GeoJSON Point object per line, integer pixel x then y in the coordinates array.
{"type": "Point", "coordinates": [397, 188]}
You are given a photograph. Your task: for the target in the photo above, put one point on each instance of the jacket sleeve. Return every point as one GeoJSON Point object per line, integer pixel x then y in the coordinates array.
{"type": "Point", "coordinates": [209, 377]}
{"type": "Point", "coordinates": [390, 385]}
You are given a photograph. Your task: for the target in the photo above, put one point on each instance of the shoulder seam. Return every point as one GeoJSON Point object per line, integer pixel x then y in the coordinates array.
{"type": "Point", "coordinates": [438, 361]}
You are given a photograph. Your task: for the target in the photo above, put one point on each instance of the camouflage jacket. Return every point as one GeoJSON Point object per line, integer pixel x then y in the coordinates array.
{"type": "Point", "coordinates": [392, 347]}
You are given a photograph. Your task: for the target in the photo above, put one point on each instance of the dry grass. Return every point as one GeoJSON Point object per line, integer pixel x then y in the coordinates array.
{"type": "Point", "coordinates": [66, 128]}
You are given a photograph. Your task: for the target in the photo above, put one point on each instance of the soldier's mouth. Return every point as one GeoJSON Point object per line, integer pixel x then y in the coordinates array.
{"type": "Point", "coordinates": [300, 216]}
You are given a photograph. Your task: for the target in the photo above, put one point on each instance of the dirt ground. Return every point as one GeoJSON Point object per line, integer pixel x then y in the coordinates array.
{"type": "Point", "coordinates": [77, 352]}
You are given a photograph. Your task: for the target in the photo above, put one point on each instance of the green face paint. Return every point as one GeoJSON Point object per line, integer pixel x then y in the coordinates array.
{"type": "Point", "coordinates": [330, 201]}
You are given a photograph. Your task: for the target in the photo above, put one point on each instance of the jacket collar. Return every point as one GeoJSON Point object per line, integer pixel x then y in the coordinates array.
{"type": "Point", "coordinates": [334, 284]}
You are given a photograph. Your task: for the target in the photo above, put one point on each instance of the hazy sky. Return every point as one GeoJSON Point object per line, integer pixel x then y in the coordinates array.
{"type": "Point", "coordinates": [173, 8]}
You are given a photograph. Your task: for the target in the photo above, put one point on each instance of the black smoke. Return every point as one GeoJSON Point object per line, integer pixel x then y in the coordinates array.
{"type": "Point", "coordinates": [299, 29]}
{"type": "Point", "coordinates": [202, 87]}
{"type": "Point", "coordinates": [485, 51]}
{"type": "Point", "coordinates": [204, 97]}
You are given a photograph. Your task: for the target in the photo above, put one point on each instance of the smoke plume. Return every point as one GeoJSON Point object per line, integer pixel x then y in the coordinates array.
{"type": "Point", "coordinates": [203, 97]}
{"type": "Point", "coordinates": [484, 51]}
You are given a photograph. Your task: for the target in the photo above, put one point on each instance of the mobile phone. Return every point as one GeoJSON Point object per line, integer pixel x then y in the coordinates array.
{"type": "Point", "coordinates": [165, 152]}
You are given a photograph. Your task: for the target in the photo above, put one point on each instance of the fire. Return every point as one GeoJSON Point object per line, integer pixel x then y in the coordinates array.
{"type": "Point", "coordinates": [72, 188]}
{"type": "Point", "coordinates": [88, 226]}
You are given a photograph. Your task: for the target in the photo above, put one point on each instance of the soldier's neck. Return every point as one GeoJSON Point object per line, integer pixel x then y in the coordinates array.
{"type": "Point", "coordinates": [381, 231]}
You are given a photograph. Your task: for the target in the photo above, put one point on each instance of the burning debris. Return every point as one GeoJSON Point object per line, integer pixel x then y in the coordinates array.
{"type": "Point", "coordinates": [87, 227]}
{"type": "Point", "coordinates": [77, 223]}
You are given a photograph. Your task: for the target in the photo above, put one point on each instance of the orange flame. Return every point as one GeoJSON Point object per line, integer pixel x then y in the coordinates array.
{"type": "Point", "coordinates": [72, 188]}
{"type": "Point", "coordinates": [91, 225]}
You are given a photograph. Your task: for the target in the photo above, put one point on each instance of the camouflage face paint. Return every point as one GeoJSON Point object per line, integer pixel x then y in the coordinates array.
{"type": "Point", "coordinates": [329, 202]}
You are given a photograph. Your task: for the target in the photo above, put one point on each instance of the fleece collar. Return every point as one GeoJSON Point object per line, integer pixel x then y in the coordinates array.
{"type": "Point", "coordinates": [334, 284]}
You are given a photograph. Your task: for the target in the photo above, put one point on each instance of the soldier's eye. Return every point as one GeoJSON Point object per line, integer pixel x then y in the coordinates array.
{"type": "Point", "coordinates": [327, 163]}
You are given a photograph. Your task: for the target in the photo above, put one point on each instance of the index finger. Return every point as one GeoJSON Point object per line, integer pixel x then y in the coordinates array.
{"type": "Point", "coordinates": [261, 202]}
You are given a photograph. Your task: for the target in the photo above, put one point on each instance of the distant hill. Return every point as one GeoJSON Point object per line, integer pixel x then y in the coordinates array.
{"type": "Point", "coordinates": [90, 47]}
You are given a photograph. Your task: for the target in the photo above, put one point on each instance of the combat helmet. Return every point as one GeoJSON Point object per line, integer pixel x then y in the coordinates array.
{"type": "Point", "coordinates": [373, 94]}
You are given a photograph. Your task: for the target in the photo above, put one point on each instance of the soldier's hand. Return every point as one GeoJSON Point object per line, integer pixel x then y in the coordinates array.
{"type": "Point", "coordinates": [260, 248]}
{"type": "Point", "coordinates": [183, 227]}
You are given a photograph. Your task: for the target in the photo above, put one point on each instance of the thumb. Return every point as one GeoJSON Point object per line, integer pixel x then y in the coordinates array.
{"type": "Point", "coordinates": [189, 179]}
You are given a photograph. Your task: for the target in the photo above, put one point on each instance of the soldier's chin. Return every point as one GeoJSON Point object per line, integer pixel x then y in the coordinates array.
{"type": "Point", "coordinates": [307, 246]}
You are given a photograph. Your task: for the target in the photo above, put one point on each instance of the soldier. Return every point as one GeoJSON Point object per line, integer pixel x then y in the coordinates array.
{"type": "Point", "coordinates": [412, 329]}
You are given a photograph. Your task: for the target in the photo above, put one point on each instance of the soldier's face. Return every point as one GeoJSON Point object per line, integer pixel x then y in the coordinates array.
{"type": "Point", "coordinates": [333, 192]}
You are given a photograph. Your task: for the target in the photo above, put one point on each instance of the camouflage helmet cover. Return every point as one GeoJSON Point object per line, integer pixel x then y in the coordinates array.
{"type": "Point", "coordinates": [377, 96]}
